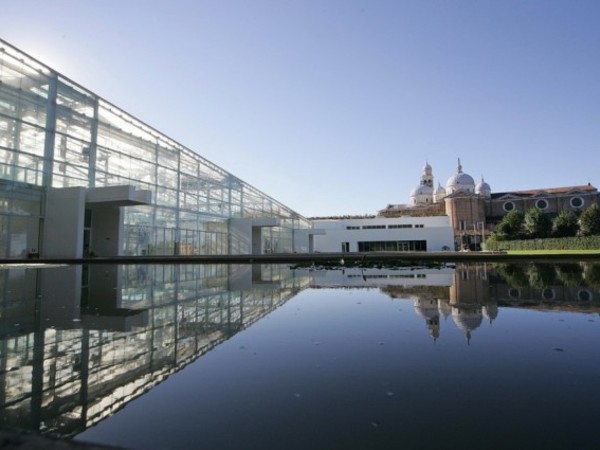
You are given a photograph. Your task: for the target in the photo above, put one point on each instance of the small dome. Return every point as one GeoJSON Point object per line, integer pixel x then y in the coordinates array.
{"type": "Point", "coordinates": [421, 189]}
{"type": "Point", "coordinates": [439, 193]}
{"type": "Point", "coordinates": [483, 188]}
{"type": "Point", "coordinates": [490, 311]}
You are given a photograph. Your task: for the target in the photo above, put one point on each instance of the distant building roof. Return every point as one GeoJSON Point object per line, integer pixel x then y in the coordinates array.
{"type": "Point", "coordinates": [553, 191]}
{"type": "Point", "coordinates": [343, 217]}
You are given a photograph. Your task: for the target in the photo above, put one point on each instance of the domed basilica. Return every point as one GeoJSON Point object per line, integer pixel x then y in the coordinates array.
{"type": "Point", "coordinates": [474, 210]}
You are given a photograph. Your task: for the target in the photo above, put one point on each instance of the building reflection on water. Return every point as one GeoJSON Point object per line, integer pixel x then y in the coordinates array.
{"type": "Point", "coordinates": [107, 334]}
{"type": "Point", "coordinates": [78, 343]}
{"type": "Point", "coordinates": [470, 294]}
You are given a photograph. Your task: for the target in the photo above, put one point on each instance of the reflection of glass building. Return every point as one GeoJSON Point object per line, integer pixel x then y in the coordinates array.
{"type": "Point", "coordinates": [78, 176]}
{"type": "Point", "coordinates": [78, 352]}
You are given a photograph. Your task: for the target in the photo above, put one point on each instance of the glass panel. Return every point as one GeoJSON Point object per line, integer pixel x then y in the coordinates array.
{"type": "Point", "coordinates": [128, 152]}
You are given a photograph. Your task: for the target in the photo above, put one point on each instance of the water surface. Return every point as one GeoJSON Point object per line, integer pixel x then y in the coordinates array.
{"type": "Point", "coordinates": [265, 357]}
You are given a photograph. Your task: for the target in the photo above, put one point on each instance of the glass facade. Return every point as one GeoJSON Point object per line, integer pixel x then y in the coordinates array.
{"type": "Point", "coordinates": [54, 133]}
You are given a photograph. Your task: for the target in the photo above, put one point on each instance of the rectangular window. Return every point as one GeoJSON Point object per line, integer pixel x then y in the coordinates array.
{"type": "Point", "coordinates": [352, 227]}
{"type": "Point", "coordinates": [373, 227]}
{"type": "Point", "coordinates": [402, 225]}
{"type": "Point", "coordinates": [392, 246]}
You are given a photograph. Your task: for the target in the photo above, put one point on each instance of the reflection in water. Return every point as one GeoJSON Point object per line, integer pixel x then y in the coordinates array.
{"type": "Point", "coordinates": [470, 293]}
{"type": "Point", "coordinates": [78, 343]}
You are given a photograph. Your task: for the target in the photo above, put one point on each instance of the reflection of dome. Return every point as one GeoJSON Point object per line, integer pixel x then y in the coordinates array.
{"type": "Point", "coordinates": [427, 309]}
{"type": "Point", "coordinates": [490, 311]}
{"type": "Point", "coordinates": [444, 308]}
{"type": "Point", "coordinates": [467, 319]}
{"type": "Point", "coordinates": [460, 181]}
{"type": "Point", "coordinates": [483, 189]}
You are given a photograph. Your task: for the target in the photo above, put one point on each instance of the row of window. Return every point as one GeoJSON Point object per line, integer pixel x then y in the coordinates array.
{"type": "Point", "coordinates": [542, 204]}
{"type": "Point", "coordinates": [383, 227]}
{"type": "Point", "coordinates": [392, 246]}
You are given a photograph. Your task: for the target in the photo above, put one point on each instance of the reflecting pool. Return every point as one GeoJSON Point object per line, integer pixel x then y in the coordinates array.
{"type": "Point", "coordinates": [270, 357]}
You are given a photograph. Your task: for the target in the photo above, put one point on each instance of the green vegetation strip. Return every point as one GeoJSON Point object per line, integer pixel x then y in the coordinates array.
{"type": "Point", "coordinates": [553, 252]}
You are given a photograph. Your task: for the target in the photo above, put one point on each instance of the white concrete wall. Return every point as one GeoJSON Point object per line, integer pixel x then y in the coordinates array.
{"type": "Point", "coordinates": [304, 240]}
{"type": "Point", "coordinates": [257, 244]}
{"type": "Point", "coordinates": [107, 231]}
{"type": "Point", "coordinates": [436, 231]}
{"type": "Point", "coordinates": [246, 235]}
{"type": "Point", "coordinates": [301, 241]}
{"type": "Point", "coordinates": [63, 224]}
{"type": "Point", "coordinates": [359, 277]}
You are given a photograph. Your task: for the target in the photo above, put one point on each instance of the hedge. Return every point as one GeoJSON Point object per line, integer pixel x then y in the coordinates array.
{"type": "Point", "coordinates": [568, 243]}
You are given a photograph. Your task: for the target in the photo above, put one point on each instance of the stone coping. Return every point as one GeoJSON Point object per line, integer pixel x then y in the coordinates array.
{"type": "Point", "coordinates": [297, 258]}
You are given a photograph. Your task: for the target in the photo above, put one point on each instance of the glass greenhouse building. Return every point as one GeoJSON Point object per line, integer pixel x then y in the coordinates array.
{"type": "Point", "coordinates": [79, 176]}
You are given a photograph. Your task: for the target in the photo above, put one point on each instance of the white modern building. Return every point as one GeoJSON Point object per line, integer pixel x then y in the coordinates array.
{"type": "Point", "coordinates": [432, 233]}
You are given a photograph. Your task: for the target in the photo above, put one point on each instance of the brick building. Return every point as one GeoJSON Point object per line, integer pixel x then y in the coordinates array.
{"type": "Point", "coordinates": [474, 210]}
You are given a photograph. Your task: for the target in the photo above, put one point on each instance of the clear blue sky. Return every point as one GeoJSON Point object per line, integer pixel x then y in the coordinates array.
{"type": "Point", "coordinates": [334, 106]}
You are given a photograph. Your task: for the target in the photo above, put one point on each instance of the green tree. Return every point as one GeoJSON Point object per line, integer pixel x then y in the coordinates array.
{"type": "Point", "coordinates": [589, 221]}
{"type": "Point", "coordinates": [537, 224]}
{"type": "Point", "coordinates": [565, 225]}
{"type": "Point", "coordinates": [510, 226]}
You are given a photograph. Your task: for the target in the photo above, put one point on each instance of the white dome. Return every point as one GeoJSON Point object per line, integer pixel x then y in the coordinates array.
{"type": "Point", "coordinates": [421, 189]}
{"type": "Point", "coordinates": [460, 181]}
{"type": "Point", "coordinates": [483, 188]}
{"type": "Point", "coordinates": [439, 193]}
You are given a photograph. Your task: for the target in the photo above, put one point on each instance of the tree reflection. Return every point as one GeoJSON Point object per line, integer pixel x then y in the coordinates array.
{"type": "Point", "coordinates": [541, 275]}
{"type": "Point", "coordinates": [591, 274]}
{"type": "Point", "coordinates": [513, 274]}
{"type": "Point", "coordinates": [570, 274]}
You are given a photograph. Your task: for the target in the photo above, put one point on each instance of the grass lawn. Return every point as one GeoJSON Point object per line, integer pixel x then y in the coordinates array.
{"type": "Point", "coordinates": [553, 252]}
